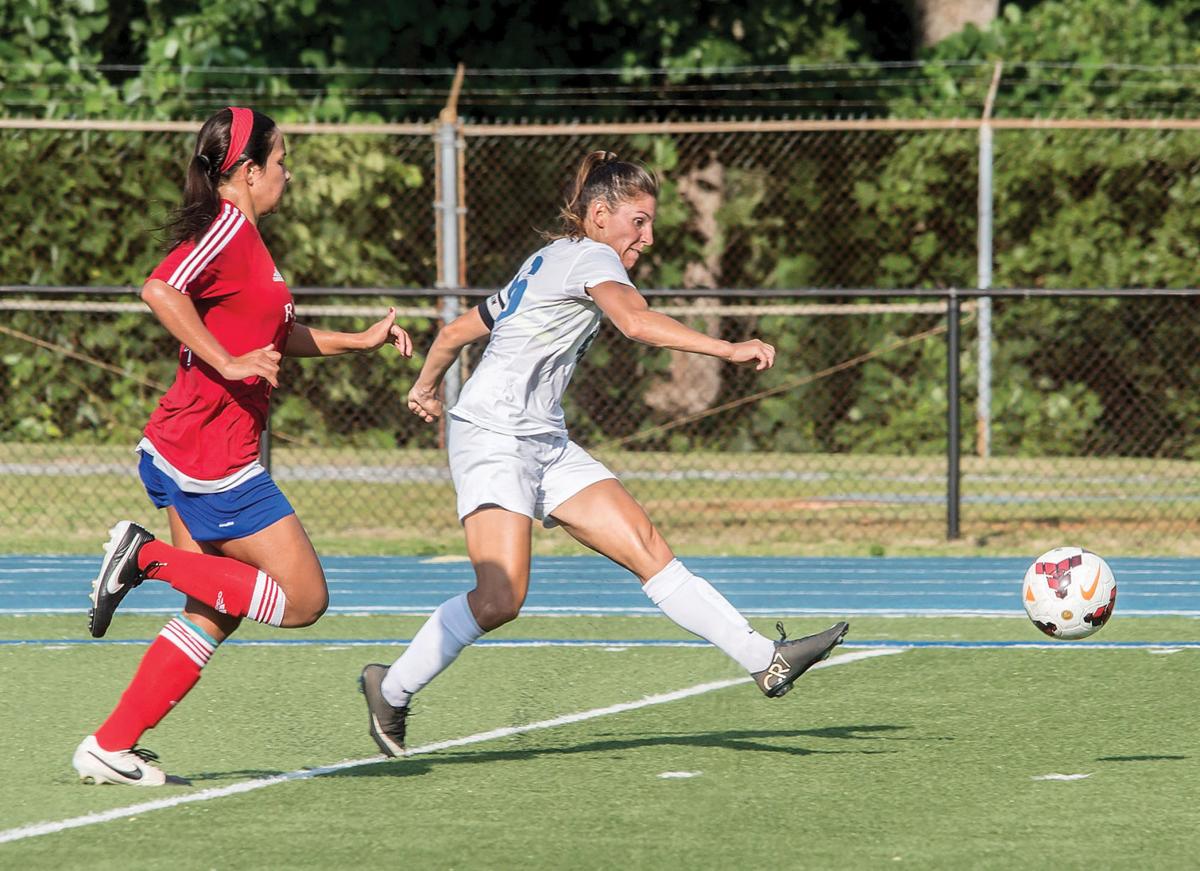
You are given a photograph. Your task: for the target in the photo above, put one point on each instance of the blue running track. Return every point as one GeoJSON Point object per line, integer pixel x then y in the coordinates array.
{"type": "Point", "coordinates": [592, 585]}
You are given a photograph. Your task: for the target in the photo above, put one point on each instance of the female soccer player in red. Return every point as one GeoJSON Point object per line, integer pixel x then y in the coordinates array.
{"type": "Point", "coordinates": [512, 461]}
{"type": "Point", "coordinates": [237, 549]}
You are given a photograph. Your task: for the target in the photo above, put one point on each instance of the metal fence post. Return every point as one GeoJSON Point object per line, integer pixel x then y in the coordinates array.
{"type": "Point", "coordinates": [264, 443]}
{"type": "Point", "coordinates": [447, 225]}
{"type": "Point", "coordinates": [983, 403]}
{"type": "Point", "coordinates": [953, 425]}
{"type": "Point", "coordinates": [447, 207]}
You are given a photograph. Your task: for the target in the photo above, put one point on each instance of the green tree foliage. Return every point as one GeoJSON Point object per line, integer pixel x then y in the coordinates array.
{"type": "Point", "coordinates": [1065, 59]}
{"type": "Point", "coordinates": [1102, 209]}
{"type": "Point", "coordinates": [168, 58]}
{"type": "Point", "coordinates": [1099, 209]}
{"type": "Point", "coordinates": [48, 53]}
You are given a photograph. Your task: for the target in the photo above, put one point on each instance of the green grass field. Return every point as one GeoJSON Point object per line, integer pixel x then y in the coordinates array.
{"type": "Point", "coordinates": [924, 758]}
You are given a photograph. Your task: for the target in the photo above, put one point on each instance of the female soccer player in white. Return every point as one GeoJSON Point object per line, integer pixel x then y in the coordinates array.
{"type": "Point", "coordinates": [238, 550]}
{"type": "Point", "coordinates": [512, 462]}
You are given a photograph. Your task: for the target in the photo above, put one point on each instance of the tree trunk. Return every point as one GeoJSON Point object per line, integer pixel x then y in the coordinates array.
{"type": "Point", "coordinates": [934, 20]}
{"type": "Point", "coordinates": [694, 381]}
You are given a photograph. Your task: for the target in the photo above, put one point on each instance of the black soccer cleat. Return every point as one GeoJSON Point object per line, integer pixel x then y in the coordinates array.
{"type": "Point", "coordinates": [388, 723]}
{"type": "Point", "coordinates": [793, 658]}
{"type": "Point", "coordinates": [119, 573]}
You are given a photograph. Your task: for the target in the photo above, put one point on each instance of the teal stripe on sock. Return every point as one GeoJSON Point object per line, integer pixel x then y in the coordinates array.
{"type": "Point", "coordinates": [199, 631]}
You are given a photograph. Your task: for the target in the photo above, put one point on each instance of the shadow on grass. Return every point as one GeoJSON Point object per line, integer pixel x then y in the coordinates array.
{"type": "Point", "coordinates": [1142, 758]}
{"type": "Point", "coordinates": [413, 766]}
{"type": "Point", "coordinates": [236, 774]}
{"type": "Point", "coordinates": [744, 741]}
{"type": "Point", "coordinates": [741, 740]}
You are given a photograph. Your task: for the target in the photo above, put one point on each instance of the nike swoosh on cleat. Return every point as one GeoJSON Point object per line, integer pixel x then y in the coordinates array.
{"type": "Point", "coordinates": [135, 774]}
{"type": "Point", "coordinates": [1091, 591]}
{"type": "Point", "coordinates": [396, 748]}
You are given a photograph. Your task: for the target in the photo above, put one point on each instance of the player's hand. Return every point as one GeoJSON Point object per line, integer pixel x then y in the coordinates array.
{"type": "Point", "coordinates": [754, 353]}
{"type": "Point", "coordinates": [386, 332]}
{"type": "Point", "coordinates": [259, 363]}
{"type": "Point", "coordinates": [424, 403]}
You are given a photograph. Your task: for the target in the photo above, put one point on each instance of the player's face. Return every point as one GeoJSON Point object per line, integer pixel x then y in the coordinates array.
{"type": "Point", "coordinates": [271, 180]}
{"type": "Point", "coordinates": [630, 228]}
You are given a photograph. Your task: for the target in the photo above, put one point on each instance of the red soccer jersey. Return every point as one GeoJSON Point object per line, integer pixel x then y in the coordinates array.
{"type": "Point", "coordinates": [205, 426]}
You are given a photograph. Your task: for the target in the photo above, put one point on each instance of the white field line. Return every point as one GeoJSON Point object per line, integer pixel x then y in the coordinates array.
{"type": "Point", "coordinates": [50, 828]}
{"type": "Point", "coordinates": [608, 644]}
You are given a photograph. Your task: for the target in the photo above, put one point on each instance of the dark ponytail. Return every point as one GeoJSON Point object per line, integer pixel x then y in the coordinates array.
{"type": "Point", "coordinates": [601, 175]}
{"type": "Point", "coordinates": [201, 202]}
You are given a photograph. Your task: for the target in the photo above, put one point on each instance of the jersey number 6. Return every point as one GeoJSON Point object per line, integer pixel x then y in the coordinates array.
{"type": "Point", "coordinates": [513, 293]}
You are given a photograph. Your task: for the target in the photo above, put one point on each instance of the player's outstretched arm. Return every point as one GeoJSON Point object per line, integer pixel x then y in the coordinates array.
{"type": "Point", "coordinates": [630, 313]}
{"type": "Point", "coordinates": [310, 342]}
{"type": "Point", "coordinates": [423, 398]}
{"type": "Point", "coordinates": [178, 314]}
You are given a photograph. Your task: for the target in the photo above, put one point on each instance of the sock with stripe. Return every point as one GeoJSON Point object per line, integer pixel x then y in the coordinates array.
{"type": "Point", "coordinates": [449, 629]}
{"type": "Point", "coordinates": [229, 586]}
{"type": "Point", "coordinates": [694, 604]}
{"type": "Point", "coordinates": [166, 673]}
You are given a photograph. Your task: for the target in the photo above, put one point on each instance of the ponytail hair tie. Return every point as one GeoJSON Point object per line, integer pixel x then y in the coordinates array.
{"type": "Point", "coordinates": [239, 135]}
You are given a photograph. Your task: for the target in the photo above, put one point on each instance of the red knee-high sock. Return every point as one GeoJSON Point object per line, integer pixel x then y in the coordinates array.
{"type": "Point", "coordinates": [169, 669]}
{"type": "Point", "coordinates": [228, 585]}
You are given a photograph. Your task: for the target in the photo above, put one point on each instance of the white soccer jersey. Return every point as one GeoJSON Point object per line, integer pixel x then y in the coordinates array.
{"type": "Point", "coordinates": [541, 324]}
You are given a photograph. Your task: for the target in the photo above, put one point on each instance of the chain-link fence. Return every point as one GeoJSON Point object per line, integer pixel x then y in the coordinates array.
{"type": "Point", "coordinates": [842, 448]}
{"type": "Point", "coordinates": [749, 209]}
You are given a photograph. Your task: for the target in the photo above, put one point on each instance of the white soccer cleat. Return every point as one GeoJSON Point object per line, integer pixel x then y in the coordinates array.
{"type": "Point", "coordinates": [131, 767]}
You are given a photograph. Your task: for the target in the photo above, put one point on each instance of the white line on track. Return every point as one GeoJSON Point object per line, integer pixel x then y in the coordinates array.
{"type": "Point", "coordinates": [571, 611]}
{"type": "Point", "coordinates": [49, 828]}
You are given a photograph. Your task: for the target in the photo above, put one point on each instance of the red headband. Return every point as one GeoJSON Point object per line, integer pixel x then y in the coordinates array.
{"type": "Point", "coordinates": [239, 135]}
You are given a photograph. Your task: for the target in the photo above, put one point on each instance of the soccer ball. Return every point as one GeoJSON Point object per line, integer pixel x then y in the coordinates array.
{"type": "Point", "coordinates": [1069, 592]}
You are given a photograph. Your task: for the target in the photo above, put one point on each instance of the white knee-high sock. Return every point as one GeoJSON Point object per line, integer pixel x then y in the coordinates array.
{"type": "Point", "coordinates": [448, 630]}
{"type": "Point", "coordinates": [692, 603]}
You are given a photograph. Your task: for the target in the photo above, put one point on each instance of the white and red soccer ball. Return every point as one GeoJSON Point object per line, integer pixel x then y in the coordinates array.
{"type": "Point", "coordinates": [1069, 592]}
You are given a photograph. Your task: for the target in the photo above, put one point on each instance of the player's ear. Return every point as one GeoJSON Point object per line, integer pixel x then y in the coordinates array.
{"type": "Point", "coordinates": [599, 213]}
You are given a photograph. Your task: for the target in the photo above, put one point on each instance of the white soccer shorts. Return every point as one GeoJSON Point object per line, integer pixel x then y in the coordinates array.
{"type": "Point", "coordinates": [530, 475]}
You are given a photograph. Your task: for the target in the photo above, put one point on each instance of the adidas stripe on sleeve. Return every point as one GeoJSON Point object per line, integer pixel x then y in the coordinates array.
{"type": "Point", "coordinates": [212, 243]}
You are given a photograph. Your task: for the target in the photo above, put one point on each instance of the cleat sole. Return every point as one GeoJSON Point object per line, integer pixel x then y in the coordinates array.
{"type": "Point", "coordinates": [107, 595]}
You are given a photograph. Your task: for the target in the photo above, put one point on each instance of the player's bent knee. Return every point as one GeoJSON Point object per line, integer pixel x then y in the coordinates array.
{"type": "Point", "coordinates": [304, 612]}
{"type": "Point", "coordinates": [494, 614]}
